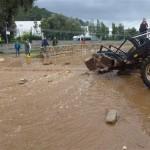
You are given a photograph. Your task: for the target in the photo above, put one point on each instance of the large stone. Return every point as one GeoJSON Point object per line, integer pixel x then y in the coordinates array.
{"type": "Point", "coordinates": [67, 63]}
{"type": "Point", "coordinates": [23, 81]}
{"type": "Point", "coordinates": [112, 117]}
{"type": "Point", "coordinates": [2, 59]}
{"type": "Point", "coordinates": [47, 63]}
{"type": "Point", "coordinates": [124, 148]}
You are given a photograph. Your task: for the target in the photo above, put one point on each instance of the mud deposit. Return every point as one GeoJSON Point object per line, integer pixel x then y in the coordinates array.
{"type": "Point", "coordinates": [62, 106]}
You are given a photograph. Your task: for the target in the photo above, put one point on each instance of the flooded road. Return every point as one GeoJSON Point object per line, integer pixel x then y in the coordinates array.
{"type": "Point", "coordinates": [63, 106]}
{"type": "Point", "coordinates": [138, 95]}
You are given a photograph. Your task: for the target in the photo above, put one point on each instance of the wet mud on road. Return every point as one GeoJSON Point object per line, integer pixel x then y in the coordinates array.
{"type": "Point", "coordinates": [137, 94]}
{"type": "Point", "coordinates": [62, 106]}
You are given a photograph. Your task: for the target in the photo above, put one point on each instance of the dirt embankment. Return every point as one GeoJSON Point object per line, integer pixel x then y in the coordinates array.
{"type": "Point", "coordinates": [62, 106]}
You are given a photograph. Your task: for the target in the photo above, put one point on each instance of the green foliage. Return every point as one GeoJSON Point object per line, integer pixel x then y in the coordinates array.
{"type": "Point", "coordinates": [114, 31]}
{"type": "Point", "coordinates": [119, 33]}
{"type": "Point", "coordinates": [34, 13]}
{"type": "Point", "coordinates": [131, 32]}
{"type": "Point", "coordinates": [92, 27]}
{"type": "Point", "coordinates": [102, 30]}
{"type": "Point", "coordinates": [8, 9]}
{"type": "Point", "coordinates": [83, 23]}
{"type": "Point", "coordinates": [53, 25]}
{"type": "Point", "coordinates": [60, 26]}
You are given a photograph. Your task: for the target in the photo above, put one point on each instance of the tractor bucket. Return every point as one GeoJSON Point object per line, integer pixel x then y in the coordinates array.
{"type": "Point", "coordinates": [90, 63]}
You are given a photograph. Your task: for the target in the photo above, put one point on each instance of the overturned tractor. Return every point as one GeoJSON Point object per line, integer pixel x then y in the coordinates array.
{"type": "Point", "coordinates": [116, 58]}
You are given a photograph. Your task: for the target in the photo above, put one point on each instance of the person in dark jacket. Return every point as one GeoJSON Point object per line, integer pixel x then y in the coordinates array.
{"type": "Point", "coordinates": [55, 41]}
{"type": "Point", "coordinates": [45, 51]}
{"type": "Point", "coordinates": [45, 43]}
{"type": "Point", "coordinates": [17, 48]}
{"type": "Point", "coordinates": [143, 26]}
{"type": "Point", "coordinates": [143, 29]}
{"type": "Point", "coordinates": [27, 47]}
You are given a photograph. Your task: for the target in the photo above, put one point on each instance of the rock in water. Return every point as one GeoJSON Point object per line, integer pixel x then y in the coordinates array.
{"type": "Point", "coordinates": [23, 81]}
{"type": "Point", "coordinates": [112, 117]}
{"type": "Point", "coordinates": [124, 148]}
{"type": "Point", "coordinates": [2, 59]}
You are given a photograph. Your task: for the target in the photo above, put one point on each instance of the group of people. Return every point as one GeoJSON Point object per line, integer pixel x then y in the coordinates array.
{"type": "Point", "coordinates": [27, 47]}
{"type": "Point", "coordinates": [45, 42]}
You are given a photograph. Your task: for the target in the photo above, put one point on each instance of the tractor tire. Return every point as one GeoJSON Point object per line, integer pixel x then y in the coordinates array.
{"type": "Point", "coordinates": [145, 72]}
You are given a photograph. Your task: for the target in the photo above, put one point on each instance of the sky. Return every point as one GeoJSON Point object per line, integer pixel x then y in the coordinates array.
{"type": "Point", "coordinates": [128, 12]}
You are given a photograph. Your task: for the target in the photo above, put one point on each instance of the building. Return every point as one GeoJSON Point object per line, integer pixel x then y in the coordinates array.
{"type": "Point", "coordinates": [27, 27]}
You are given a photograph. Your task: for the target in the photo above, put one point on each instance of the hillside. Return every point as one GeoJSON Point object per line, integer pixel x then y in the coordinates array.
{"type": "Point", "coordinates": [34, 13]}
{"type": "Point", "coordinates": [37, 13]}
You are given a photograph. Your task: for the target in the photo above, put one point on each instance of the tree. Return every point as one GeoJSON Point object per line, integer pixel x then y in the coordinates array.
{"type": "Point", "coordinates": [117, 31]}
{"type": "Point", "coordinates": [98, 29]}
{"type": "Point", "coordinates": [92, 28]}
{"type": "Point", "coordinates": [60, 26]}
{"type": "Point", "coordinates": [8, 9]}
{"type": "Point", "coordinates": [102, 31]}
{"type": "Point", "coordinates": [120, 32]}
{"type": "Point", "coordinates": [114, 31]}
{"type": "Point", "coordinates": [131, 32]}
{"type": "Point", "coordinates": [33, 14]}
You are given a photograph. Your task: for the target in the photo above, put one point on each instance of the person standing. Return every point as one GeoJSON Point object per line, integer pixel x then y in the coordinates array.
{"type": "Point", "coordinates": [44, 47]}
{"type": "Point", "coordinates": [45, 51]}
{"type": "Point", "coordinates": [55, 41]}
{"type": "Point", "coordinates": [30, 48]}
{"type": "Point", "coordinates": [44, 43]}
{"type": "Point", "coordinates": [143, 26]}
{"type": "Point", "coordinates": [27, 47]}
{"type": "Point", "coordinates": [143, 29]}
{"type": "Point", "coordinates": [17, 48]}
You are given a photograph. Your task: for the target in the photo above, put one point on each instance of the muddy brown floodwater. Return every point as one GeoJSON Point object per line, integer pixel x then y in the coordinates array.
{"type": "Point", "coordinates": [137, 94]}
{"type": "Point", "coordinates": [62, 106]}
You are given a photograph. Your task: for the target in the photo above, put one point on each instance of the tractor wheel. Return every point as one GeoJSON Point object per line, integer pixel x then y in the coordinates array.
{"type": "Point", "coordinates": [145, 71]}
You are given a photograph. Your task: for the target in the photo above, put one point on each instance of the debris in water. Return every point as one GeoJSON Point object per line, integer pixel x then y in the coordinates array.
{"type": "Point", "coordinates": [45, 75]}
{"type": "Point", "coordinates": [47, 63]}
{"type": "Point", "coordinates": [112, 117]}
{"type": "Point", "coordinates": [124, 148]}
{"type": "Point", "coordinates": [23, 81]}
{"type": "Point", "coordinates": [2, 59]}
{"type": "Point", "coordinates": [49, 81]}
{"type": "Point", "coordinates": [68, 71]}
{"type": "Point", "coordinates": [85, 73]}
{"type": "Point", "coordinates": [67, 63]}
